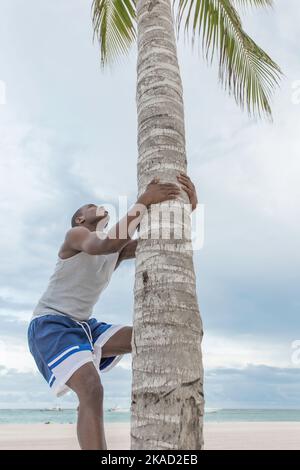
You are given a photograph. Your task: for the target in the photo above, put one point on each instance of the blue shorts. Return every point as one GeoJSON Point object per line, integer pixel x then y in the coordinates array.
{"type": "Point", "coordinates": [61, 345]}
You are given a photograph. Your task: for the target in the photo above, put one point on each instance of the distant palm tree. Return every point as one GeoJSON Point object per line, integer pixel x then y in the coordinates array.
{"type": "Point", "coordinates": [167, 391]}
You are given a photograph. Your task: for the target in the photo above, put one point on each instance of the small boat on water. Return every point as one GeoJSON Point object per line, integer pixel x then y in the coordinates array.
{"type": "Point", "coordinates": [117, 409]}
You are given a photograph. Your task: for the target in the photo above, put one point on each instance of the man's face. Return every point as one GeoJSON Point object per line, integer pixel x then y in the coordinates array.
{"type": "Point", "coordinates": [94, 214]}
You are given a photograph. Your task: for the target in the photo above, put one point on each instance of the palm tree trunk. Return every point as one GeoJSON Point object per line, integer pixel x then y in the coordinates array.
{"type": "Point", "coordinates": [167, 390]}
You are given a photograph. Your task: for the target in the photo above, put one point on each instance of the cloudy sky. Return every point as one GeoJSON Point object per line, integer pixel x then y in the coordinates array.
{"type": "Point", "coordinates": [68, 136]}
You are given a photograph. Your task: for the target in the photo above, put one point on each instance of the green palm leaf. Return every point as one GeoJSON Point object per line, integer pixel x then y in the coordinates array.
{"type": "Point", "coordinates": [114, 26]}
{"type": "Point", "coordinates": [245, 70]}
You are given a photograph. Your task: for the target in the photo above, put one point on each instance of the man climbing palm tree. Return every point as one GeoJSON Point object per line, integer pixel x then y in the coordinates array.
{"type": "Point", "coordinates": [71, 348]}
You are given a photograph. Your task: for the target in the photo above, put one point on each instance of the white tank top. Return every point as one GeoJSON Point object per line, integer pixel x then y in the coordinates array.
{"type": "Point", "coordinates": [76, 285]}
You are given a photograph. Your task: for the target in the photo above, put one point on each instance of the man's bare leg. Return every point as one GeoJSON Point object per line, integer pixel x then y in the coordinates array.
{"type": "Point", "coordinates": [85, 382]}
{"type": "Point", "coordinates": [119, 343]}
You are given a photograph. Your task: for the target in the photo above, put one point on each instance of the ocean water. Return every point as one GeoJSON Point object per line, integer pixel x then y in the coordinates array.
{"type": "Point", "coordinates": [123, 415]}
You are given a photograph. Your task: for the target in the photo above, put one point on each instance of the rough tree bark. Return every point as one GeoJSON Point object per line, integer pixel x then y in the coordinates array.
{"type": "Point", "coordinates": [167, 390]}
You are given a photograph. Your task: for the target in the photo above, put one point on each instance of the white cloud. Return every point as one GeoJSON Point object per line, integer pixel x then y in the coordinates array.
{"type": "Point", "coordinates": [15, 355]}
{"type": "Point", "coordinates": [237, 351]}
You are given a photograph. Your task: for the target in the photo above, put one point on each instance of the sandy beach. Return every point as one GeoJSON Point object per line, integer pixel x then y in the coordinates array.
{"type": "Point", "coordinates": [218, 436]}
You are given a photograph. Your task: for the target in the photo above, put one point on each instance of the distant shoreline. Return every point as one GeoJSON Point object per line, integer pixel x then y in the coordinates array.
{"type": "Point", "coordinates": [217, 436]}
{"type": "Point", "coordinates": [69, 416]}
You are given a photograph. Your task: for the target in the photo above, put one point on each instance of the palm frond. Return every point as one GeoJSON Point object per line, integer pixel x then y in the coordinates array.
{"type": "Point", "coordinates": [114, 27]}
{"type": "Point", "coordinates": [245, 70]}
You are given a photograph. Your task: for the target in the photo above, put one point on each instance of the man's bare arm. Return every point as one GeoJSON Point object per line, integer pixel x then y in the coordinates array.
{"type": "Point", "coordinates": [82, 239]}
{"type": "Point", "coordinates": [128, 252]}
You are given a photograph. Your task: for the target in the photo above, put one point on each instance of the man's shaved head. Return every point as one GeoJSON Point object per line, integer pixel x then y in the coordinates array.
{"type": "Point", "coordinates": [76, 214]}
{"type": "Point", "coordinates": [90, 215]}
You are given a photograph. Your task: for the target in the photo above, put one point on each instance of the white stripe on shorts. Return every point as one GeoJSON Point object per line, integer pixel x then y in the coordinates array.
{"type": "Point", "coordinates": [62, 355]}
